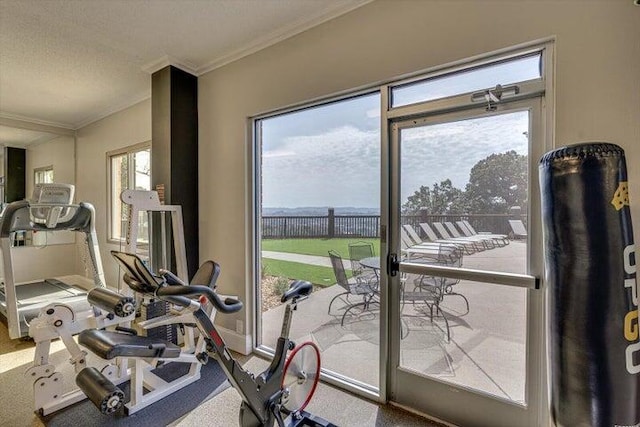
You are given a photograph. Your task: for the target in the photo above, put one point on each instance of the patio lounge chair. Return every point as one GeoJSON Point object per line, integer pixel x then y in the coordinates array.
{"type": "Point", "coordinates": [487, 240]}
{"type": "Point", "coordinates": [518, 228]}
{"type": "Point", "coordinates": [468, 247]}
{"type": "Point", "coordinates": [468, 230]}
{"type": "Point", "coordinates": [413, 236]}
{"type": "Point", "coordinates": [436, 252]}
{"type": "Point", "coordinates": [365, 292]}
{"type": "Point", "coordinates": [479, 244]}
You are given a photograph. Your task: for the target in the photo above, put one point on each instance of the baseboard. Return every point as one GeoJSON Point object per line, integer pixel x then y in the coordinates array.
{"type": "Point", "coordinates": [236, 342]}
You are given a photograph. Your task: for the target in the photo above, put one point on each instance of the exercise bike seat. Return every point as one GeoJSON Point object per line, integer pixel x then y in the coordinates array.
{"type": "Point", "coordinates": [110, 344]}
{"type": "Point", "coordinates": [298, 289]}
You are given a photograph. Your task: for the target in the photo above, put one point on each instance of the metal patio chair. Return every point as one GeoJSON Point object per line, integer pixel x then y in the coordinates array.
{"type": "Point", "coordinates": [363, 291]}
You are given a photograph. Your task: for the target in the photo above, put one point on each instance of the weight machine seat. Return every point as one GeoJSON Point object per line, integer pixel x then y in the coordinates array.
{"type": "Point", "coordinates": [109, 344]}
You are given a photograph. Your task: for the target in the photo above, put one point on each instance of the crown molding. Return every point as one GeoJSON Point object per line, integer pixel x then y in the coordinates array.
{"type": "Point", "coordinates": [29, 123]}
{"type": "Point", "coordinates": [165, 61]}
{"type": "Point", "coordinates": [270, 39]}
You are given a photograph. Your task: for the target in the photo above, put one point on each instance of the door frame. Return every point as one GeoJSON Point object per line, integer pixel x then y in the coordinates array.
{"type": "Point", "coordinates": [537, 97]}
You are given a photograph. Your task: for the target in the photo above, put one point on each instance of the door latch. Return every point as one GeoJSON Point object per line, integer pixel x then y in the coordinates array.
{"type": "Point", "coordinates": [393, 266]}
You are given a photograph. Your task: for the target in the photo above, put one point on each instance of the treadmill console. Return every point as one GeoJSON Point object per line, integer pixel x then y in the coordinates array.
{"type": "Point", "coordinates": [51, 202]}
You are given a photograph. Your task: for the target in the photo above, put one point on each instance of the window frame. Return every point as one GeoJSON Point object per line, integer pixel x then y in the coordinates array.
{"type": "Point", "coordinates": [42, 169]}
{"type": "Point", "coordinates": [529, 89]}
{"type": "Point", "coordinates": [129, 151]}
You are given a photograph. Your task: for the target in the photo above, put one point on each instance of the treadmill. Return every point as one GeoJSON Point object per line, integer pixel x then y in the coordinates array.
{"type": "Point", "coordinates": [49, 210]}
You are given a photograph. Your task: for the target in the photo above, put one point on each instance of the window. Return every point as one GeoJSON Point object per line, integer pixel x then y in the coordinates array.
{"type": "Point", "coordinates": [507, 72]}
{"type": "Point", "coordinates": [43, 175]}
{"type": "Point", "coordinates": [320, 188]}
{"type": "Point", "coordinates": [129, 168]}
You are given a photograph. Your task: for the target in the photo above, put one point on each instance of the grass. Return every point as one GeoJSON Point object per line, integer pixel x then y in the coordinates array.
{"type": "Point", "coordinates": [319, 247]}
{"type": "Point", "coordinates": [318, 275]}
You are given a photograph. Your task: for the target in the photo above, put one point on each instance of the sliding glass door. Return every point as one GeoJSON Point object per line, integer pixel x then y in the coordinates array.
{"type": "Point", "coordinates": [414, 211]}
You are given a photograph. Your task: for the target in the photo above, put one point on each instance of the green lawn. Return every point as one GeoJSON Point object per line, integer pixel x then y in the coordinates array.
{"type": "Point", "coordinates": [319, 247]}
{"type": "Point", "coordinates": [318, 275]}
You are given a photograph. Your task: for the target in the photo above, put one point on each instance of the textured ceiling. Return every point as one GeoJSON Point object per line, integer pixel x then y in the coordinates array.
{"type": "Point", "coordinates": [67, 63]}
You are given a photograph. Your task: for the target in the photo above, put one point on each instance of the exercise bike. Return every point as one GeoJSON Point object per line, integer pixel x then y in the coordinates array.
{"type": "Point", "coordinates": [277, 395]}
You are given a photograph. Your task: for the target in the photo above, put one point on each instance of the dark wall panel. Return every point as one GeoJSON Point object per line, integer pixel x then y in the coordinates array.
{"type": "Point", "coordinates": [14, 174]}
{"type": "Point", "coordinates": [175, 148]}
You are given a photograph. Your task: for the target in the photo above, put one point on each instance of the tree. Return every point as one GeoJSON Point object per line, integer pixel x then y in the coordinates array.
{"type": "Point", "coordinates": [497, 182]}
{"type": "Point", "coordinates": [421, 199]}
{"type": "Point", "coordinates": [442, 198]}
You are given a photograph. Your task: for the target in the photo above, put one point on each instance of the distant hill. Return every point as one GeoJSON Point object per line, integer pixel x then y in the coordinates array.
{"type": "Point", "coordinates": [318, 211]}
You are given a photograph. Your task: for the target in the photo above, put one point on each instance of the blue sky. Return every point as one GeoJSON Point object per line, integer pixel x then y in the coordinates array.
{"type": "Point", "coordinates": [330, 155]}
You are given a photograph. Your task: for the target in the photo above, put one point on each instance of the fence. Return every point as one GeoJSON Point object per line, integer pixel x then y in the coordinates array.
{"type": "Point", "coordinates": [331, 225]}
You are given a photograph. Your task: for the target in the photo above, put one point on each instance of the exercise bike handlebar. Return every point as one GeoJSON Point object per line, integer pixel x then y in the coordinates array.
{"type": "Point", "coordinates": [229, 305]}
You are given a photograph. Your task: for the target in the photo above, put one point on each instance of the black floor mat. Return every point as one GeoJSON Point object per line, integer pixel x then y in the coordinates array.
{"type": "Point", "coordinates": [161, 413]}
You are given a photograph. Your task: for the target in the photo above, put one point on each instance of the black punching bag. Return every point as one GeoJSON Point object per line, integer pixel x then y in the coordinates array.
{"type": "Point", "coordinates": [593, 296]}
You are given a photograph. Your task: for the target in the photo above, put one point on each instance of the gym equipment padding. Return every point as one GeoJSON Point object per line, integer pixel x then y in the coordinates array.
{"type": "Point", "coordinates": [107, 397]}
{"type": "Point", "coordinates": [593, 296]}
{"type": "Point", "coordinates": [112, 302]}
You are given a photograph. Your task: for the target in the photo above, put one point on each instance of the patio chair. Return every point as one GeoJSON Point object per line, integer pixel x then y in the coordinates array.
{"type": "Point", "coordinates": [468, 230]}
{"type": "Point", "coordinates": [429, 292]}
{"type": "Point", "coordinates": [357, 252]}
{"type": "Point", "coordinates": [518, 228]}
{"type": "Point", "coordinates": [424, 295]}
{"type": "Point", "coordinates": [447, 285]}
{"type": "Point", "coordinates": [432, 250]}
{"type": "Point", "coordinates": [364, 291]}
{"type": "Point", "coordinates": [488, 241]}
{"type": "Point", "coordinates": [479, 244]}
{"type": "Point", "coordinates": [412, 236]}
{"type": "Point", "coordinates": [468, 247]}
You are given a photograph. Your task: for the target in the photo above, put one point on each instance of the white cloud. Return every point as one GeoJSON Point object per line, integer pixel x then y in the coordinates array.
{"type": "Point", "coordinates": [341, 167]}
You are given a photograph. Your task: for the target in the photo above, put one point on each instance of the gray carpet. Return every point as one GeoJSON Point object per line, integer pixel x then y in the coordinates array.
{"type": "Point", "coordinates": [163, 412]}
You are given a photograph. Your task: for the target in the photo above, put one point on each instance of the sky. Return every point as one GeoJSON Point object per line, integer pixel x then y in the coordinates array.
{"type": "Point", "coordinates": [330, 155]}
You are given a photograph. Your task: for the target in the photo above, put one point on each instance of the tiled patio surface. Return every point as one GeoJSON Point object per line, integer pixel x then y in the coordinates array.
{"type": "Point", "coordinates": [487, 351]}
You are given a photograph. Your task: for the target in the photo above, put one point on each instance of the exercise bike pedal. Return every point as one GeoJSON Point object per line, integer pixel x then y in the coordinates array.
{"type": "Point", "coordinates": [203, 357]}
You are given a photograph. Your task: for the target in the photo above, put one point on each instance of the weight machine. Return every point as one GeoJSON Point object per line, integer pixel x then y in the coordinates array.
{"type": "Point", "coordinates": [116, 312]}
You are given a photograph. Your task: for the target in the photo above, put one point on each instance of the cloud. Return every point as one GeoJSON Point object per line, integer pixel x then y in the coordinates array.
{"type": "Point", "coordinates": [341, 165]}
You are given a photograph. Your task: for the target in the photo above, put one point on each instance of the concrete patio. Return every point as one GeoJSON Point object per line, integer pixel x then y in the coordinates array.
{"type": "Point", "coordinates": [487, 350]}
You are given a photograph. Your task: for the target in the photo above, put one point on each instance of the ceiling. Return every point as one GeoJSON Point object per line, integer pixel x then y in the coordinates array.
{"type": "Point", "coordinates": [68, 63]}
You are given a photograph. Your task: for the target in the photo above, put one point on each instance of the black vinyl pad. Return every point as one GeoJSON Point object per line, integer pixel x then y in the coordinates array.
{"type": "Point", "coordinates": [108, 344]}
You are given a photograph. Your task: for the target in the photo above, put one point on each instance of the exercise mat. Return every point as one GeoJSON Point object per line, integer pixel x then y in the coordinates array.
{"type": "Point", "coordinates": [212, 381]}
{"type": "Point", "coordinates": [591, 268]}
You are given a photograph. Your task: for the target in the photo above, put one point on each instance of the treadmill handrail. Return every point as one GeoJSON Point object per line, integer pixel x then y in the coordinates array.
{"type": "Point", "coordinates": [16, 217]}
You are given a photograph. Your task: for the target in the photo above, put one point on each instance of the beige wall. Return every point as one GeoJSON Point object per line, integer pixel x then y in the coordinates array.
{"type": "Point", "coordinates": [597, 88]}
{"type": "Point", "coordinates": [127, 127]}
{"type": "Point", "coordinates": [59, 153]}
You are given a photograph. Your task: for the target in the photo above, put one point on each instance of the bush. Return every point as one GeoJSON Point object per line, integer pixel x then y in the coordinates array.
{"type": "Point", "coordinates": [281, 285]}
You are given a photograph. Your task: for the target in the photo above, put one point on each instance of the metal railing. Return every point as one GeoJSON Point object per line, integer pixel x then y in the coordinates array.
{"type": "Point", "coordinates": [331, 225]}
